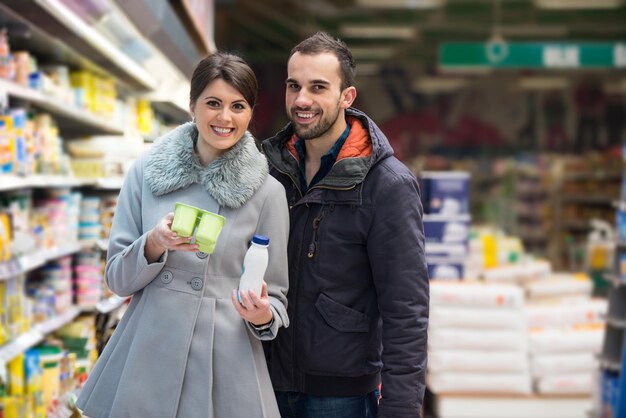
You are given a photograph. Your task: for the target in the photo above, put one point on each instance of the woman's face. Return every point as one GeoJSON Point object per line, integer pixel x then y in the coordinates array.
{"type": "Point", "coordinates": [222, 117]}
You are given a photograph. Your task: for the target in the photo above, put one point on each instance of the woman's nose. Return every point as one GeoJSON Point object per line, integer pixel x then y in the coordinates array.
{"type": "Point", "coordinates": [224, 115]}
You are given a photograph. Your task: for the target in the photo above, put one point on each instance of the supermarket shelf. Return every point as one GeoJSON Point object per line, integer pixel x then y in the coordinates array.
{"type": "Point", "coordinates": [64, 26]}
{"type": "Point", "coordinates": [610, 365]}
{"type": "Point", "coordinates": [530, 236]}
{"type": "Point", "coordinates": [516, 406]}
{"type": "Point", "coordinates": [29, 339]}
{"type": "Point", "coordinates": [593, 175]}
{"type": "Point", "coordinates": [109, 183]}
{"type": "Point", "coordinates": [100, 244]}
{"type": "Point", "coordinates": [58, 321]}
{"type": "Point", "coordinates": [26, 263]}
{"type": "Point", "coordinates": [11, 182]}
{"type": "Point", "coordinates": [107, 305]}
{"type": "Point", "coordinates": [78, 119]}
{"type": "Point", "coordinates": [615, 280]}
{"type": "Point", "coordinates": [103, 244]}
{"type": "Point", "coordinates": [599, 199]}
{"type": "Point", "coordinates": [618, 323]}
{"type": "Point", "coordinates": [576, 225]}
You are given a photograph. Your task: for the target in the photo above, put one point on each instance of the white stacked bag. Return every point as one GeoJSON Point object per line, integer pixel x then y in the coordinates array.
{"type": "Point", "coordinates": [566, 330]}
{"type": "Point", "coordinates": [477, 339]}
{"type": "Point", "coordinates": [565, 325]}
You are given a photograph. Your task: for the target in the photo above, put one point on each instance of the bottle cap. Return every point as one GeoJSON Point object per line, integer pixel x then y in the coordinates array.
{"type": "Point", "coordinates": [260, 239]}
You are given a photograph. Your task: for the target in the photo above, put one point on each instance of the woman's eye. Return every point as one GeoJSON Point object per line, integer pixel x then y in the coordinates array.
{"type": "Point", "coordinates": [239, 106]}
{"type": "Point", "coordinates": [213, 103]}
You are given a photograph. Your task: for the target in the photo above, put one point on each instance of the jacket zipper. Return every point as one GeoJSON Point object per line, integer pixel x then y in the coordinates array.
{"type": "Point", "coordinates": [316, 225]}
{"type": "Point", "coordinates": [317, 186]}
{"type": "Point", "coordinates": [288, 174]}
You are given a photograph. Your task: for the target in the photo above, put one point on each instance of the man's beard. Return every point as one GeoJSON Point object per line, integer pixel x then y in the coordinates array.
{"type": "Point", "coordinates": [308, 132]}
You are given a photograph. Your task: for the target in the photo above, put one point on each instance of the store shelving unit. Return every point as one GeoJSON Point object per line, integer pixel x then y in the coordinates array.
{"type": "Point", "coordinates": [106, 306]}
{"type": "Point", "coordinates": [578, 198]}
{"type": "Point", "coordinates": [532, 208]}
{"type": "Point", "coordinates": [611, 401]}
{"type": "Point", "coordinates": [9, 182]}
{"type": "Point", "coordinates": [36, 334]}
{"type": "Point", "coordinates": [70, 118]}
{"type": "Point", "coordinates": [86, 50]}
{"type": "Point", "coordinates": [29, 262]}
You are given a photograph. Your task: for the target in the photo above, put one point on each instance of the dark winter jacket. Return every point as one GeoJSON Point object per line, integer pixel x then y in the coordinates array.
{"type": "Point", "coordinates": [358, 294]}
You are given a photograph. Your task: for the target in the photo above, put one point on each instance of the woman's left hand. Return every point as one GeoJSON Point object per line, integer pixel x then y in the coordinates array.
{"type": "Point", "coordinates": [253, 308]}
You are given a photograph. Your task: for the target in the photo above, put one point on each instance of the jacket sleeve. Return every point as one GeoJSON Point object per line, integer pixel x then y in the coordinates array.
{"type": "Point", "coordinates": [127, 270]}
{"type": "Point", "coordinates": [396, 252]}
{"type": "Point", "coordinates": [274, 223]}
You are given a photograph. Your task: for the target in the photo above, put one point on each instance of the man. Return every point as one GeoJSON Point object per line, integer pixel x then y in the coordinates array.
{"type": "Point", "coordinates": [358, 294]}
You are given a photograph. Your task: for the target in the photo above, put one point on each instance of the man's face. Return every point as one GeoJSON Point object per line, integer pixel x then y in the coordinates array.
{"type": "Point", "coordinates": [313, 98]}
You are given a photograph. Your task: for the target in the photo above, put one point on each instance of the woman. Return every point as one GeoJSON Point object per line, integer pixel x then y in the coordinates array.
{"type": "Point", "coordinates": [186, 347]}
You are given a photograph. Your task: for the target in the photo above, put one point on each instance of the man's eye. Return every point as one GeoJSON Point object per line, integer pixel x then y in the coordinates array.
{"type": "Point", "coordinates": [293, 86]}
{"type": "Point", "coordinates": [318, 88]}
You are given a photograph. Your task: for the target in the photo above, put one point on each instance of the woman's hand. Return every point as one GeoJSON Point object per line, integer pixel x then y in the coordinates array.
{"type": "Point", "coordinates": [161, 238]}
{"type": "Point", "coordinates": [253, 308]}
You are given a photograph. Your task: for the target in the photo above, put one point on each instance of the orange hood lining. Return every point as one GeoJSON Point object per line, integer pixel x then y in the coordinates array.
{"type": "Point", "coordinates": [357, 144]}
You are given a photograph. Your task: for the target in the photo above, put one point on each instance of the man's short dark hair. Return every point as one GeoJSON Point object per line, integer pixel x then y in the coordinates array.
{"type": "Point", "coordinates": [322, 42]}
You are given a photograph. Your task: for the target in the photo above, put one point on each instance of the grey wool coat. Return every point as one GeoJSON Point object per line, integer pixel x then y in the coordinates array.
{"type": "Point", "coordinates": [182, 350]}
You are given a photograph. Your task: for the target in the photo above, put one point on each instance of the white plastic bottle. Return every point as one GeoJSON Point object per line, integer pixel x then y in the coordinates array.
{"type": "Point", "coordinates": [254, 266]}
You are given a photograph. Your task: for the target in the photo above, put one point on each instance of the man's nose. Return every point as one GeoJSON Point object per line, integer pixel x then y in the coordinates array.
{"type": "Point", "coordinates": [303, 99]}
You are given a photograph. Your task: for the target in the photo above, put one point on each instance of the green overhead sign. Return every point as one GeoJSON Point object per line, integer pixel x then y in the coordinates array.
{"type": "Point", "coordinates": [537, 55]}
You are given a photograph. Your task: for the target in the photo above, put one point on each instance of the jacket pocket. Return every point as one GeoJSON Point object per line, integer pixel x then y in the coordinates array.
{"type": "Point", "coordinates": [341, 317]}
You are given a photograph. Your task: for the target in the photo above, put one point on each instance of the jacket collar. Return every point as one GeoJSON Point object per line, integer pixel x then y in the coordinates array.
{"type": "Point", "coordinates": [231, 179]}
{"type": "Point", "coordinates": [363, 148]}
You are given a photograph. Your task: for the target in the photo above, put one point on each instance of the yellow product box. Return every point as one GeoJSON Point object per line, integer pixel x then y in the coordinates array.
{"type": "Point", "coordinates": [24, 65]}
{"type": "Point", "coordinates": [15, 407]}
{"type": "Point", "coordinates": [81, 79]}
{"type": "Point", "coordinates": [6, 237]}
{"type": "Point", "coordinates": [49, 357]}
{"type": "Point", "coordinates": [87, 168]}
{"type": "Point", "coordinates": [82, 85]}
{"type": "Point", "coordinates": [16, 375]}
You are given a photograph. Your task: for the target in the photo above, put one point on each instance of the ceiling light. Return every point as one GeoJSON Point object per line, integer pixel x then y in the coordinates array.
{"type": "Point", "coordinates": [401, 4]}
{"type": "Point", "coordinates": [615, 87]}
{"type": "Point", "coordinates": [372, 53]}
{"type": "Point", "coordinates": [542, 83]}
{"type": "Point", "coordinates": [378, 32]}
{"type": "Point", "coordinates": [534, 30]}
{"type": "Point", "coordinates": [367, 68]}
{"type": "Point", "coordinates": [429, 85]}
{"type": "Point", "coordinates": [578, 4]}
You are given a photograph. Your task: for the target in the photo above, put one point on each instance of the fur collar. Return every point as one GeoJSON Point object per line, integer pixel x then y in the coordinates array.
{"type": "Point", "coordinates": [231, 179]}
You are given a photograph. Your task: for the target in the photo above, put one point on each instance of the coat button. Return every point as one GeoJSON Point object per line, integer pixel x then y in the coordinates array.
{"type": "Point", "coordinates": [167, 276]}
{"type": "Point", "coordinates": [196, 283]}
{"type": "Point", "coordinates": [201, 255]}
